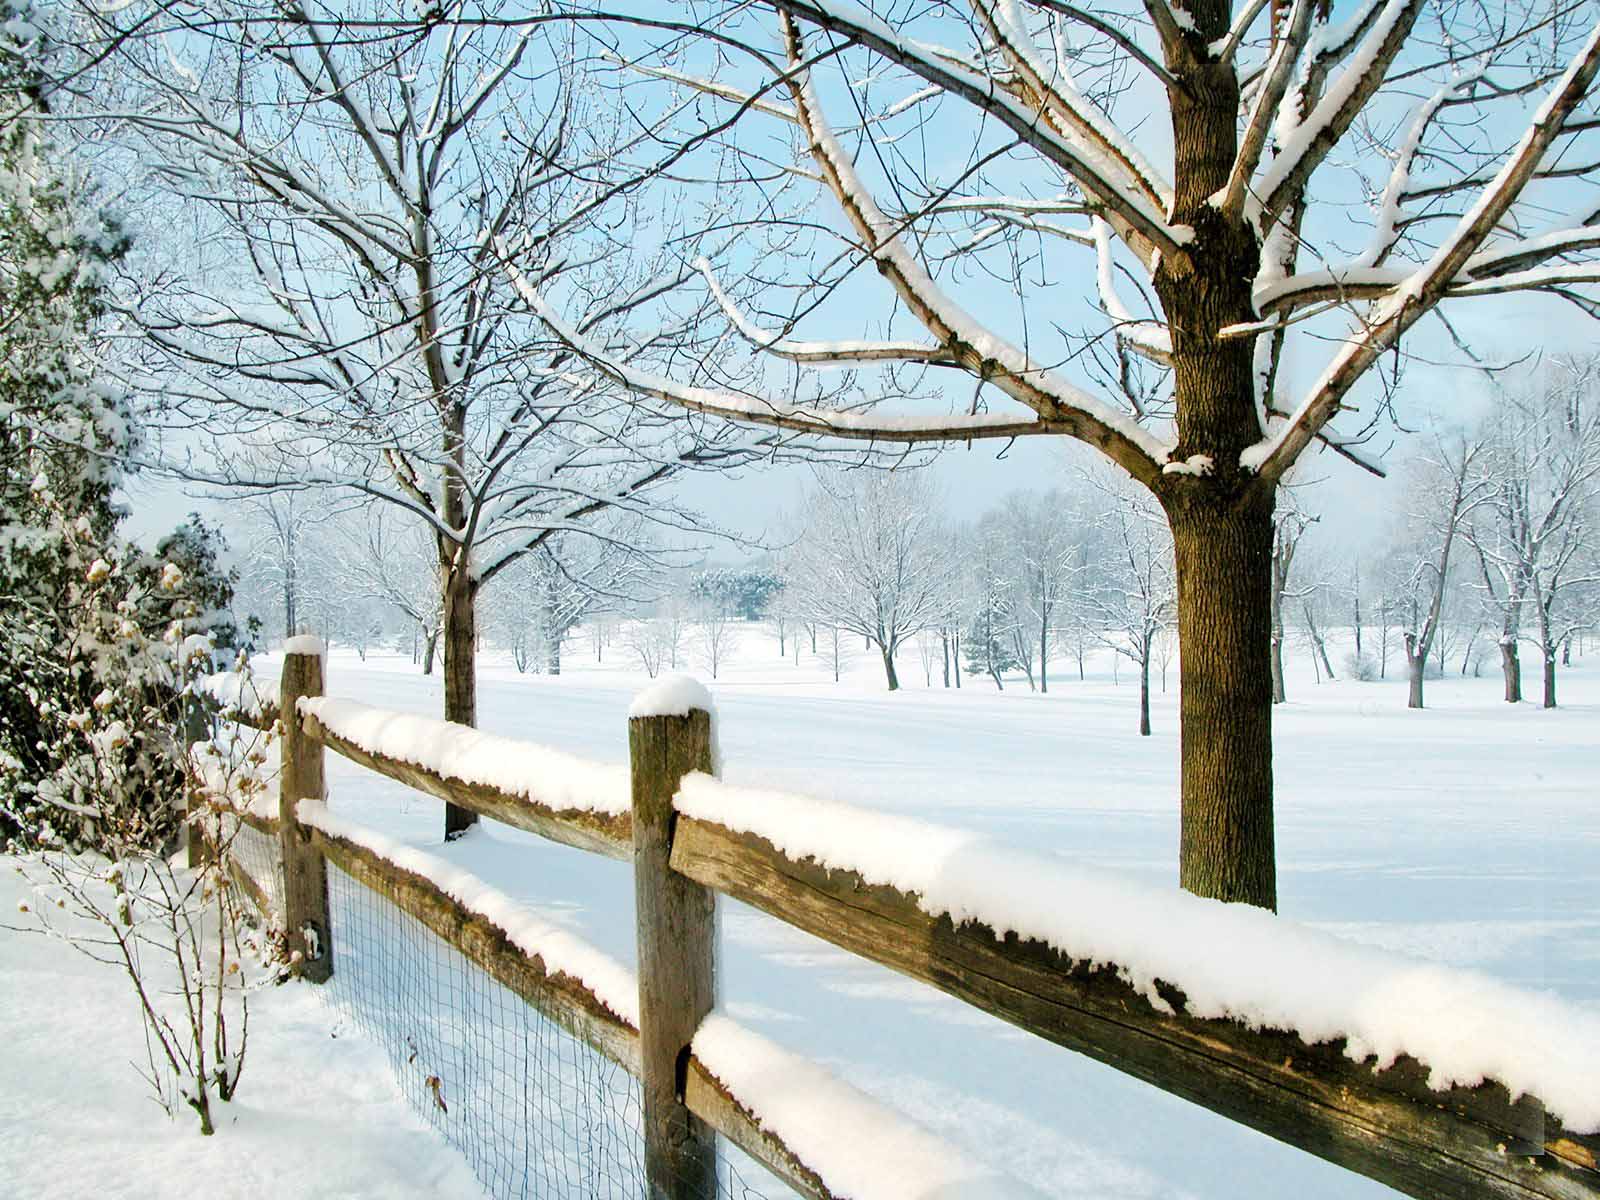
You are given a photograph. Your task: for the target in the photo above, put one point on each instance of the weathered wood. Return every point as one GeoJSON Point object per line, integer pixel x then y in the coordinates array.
{"type": "Point", "coordinates": [598, 833]}
{"type": "Point", "coordinates": [1387, 1125]}
{"type": "Point", "coordinates": [564, 1000]}
{"type": "Point", "coordinates": [677, 926]}
{"type": "Point", "coordinates": [308, 935]}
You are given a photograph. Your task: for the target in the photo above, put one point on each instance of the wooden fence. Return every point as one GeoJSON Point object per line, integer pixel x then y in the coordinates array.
{"type": "Point", "coordinates": [1386, 1124]}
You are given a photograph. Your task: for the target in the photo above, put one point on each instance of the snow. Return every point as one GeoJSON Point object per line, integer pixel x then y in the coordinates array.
{"type": "Point", "coordinates": [672, 696]}
{"type": "Point", "coordinates": [305, 644]}
{"type": "Point", "coordinates": [1462, 836]}
{"type": "Point", "coordinates": [614, 985]}
{"type": "Point", "coordinates": [1195, 464]}
{"type": "Point", "coordinates": [76, 1120]}
{"type": "Point", "coordinates": [250, 694]}
{"type": "Point", "coordinates": [549, 777]}
{"type": "Point", "coordinates": [857, 1145]}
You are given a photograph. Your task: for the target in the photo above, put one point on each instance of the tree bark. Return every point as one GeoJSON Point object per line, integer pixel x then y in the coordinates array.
{"type": "Point", "coordinates": [1550, 677]}
{"type": "Point", "coordinates": [1223, 550]}
{"type": "Point", "coordinates": [1511, 669]}
{"type": "Point", "coordinates": [888, 669]}
{"type": "Point", "coordinates": [1044, 653]}
{"type": "Point", "coordinates": [430, 646]}
{"type": "Point", "coordinates": [1416, 668]}
{"type": "Point", "coordinates": [1144, 689]}
{"type": "Point", "coordinates": [460, 669]}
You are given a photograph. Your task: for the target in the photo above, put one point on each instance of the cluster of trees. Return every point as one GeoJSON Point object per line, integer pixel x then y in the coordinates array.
{"type": "Point", "coordinates": [508, 272]}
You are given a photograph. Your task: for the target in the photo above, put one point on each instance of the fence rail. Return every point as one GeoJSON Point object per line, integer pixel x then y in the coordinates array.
{"type": "Point", "coordinates": [1386, 1124]}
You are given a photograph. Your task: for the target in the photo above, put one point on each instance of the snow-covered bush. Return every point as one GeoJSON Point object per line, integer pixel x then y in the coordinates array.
{"type": "Point", "coordinates": [1360, 666]}
{"type": "Point", "coordinates": [97, 636]}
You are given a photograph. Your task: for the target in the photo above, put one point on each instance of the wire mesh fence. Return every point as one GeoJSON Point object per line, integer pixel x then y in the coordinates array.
{"type": "Point", "coordinates": [260, 857]}
{"type": "Point", "coordinates": [535, 1111]}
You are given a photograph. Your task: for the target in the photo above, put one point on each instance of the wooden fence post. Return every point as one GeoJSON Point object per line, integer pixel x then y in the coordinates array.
{"type": "Point", "coordinates": [305, 875]}
{"type": "Point", "coordinates": [677, 955]}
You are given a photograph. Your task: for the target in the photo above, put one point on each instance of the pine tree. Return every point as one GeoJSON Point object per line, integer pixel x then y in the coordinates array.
{"type": "Point", "coordinates": [97, 638]}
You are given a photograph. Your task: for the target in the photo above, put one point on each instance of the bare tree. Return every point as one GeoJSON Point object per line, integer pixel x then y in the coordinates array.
{"type": "Point", "coordinates": [1133, 595]}
{"type": "Point", "coordinates": [382, 557]}
{"type": "Point", "coordinates": [1289, 526]}
{"type": "Point", "coordinates": [1537, 534]}
{"type": "Point", "coordinates": [1445, 488]}
{"type": "Point", "coordinates": [868, 560]}
{"type": "Point", "coordinates": [716, 633]}
{"type": "Point", "coordinates": [370, 192]}
{"type": "Point", "coordinates": [1211, 258]}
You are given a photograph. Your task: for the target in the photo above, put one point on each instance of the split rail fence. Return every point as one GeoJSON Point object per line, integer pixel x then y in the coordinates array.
{"type": "Point", "coordinates": [1387, 1124]}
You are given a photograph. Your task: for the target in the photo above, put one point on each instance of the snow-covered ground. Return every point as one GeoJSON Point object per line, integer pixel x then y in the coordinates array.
{"type": "Point", "coordinates": [318, 1115]}
{"type": "Point", "coordinates": [1467, 833]}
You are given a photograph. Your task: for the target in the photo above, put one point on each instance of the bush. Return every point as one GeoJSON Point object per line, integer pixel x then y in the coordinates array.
{"type": "Point", "coordinates": [1360, 666]}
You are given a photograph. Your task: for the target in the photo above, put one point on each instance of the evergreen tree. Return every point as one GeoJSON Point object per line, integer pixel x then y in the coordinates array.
{"type": "Point", "coordinates": [989, 644]}
{"type": "Point", "coordinates": [97, 638]}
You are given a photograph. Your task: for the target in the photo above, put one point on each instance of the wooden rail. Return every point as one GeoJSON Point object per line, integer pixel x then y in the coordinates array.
{"type": "Point", "coordinates": [1388, 1125]}
{"type": "Point", "coordinates": [598, 833]}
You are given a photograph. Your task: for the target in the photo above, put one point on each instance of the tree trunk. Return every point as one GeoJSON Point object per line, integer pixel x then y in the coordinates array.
{"type": "Point", "coordinates": [552, 653]}
{"type": "Point", "coordinates": [1511, 669]}
{"type": "Point", "coordinates": [1279, 695]}
{"type": "Point", "coordinates": [1044, 653]}
{"type": "Point", "coordinates": [460, 668]}
{"type": "Point", "coordinates": [1319, 643]}
{"type": "Point", "coordinates": [888, 669]}
{"type": "Point", "coordinates": [430, 647]}
{"type": "Point", "coordinates": [944, 646]}
{"type": "Point", "coordinates": [1223, 551]}
{"type": "Point", "coordinates": [1144, 690]}
{"type": "Point", "coordinates": [1416, 667]}
{"type": "Point", "coordinates": [1549, 676]}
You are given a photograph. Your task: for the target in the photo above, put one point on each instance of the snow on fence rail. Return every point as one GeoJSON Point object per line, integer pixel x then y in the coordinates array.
{"type": "Point", "coordinates": [1440, 1083]}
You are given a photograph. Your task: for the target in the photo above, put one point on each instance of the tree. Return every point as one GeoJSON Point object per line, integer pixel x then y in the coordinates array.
{"type": "Point", "coordinates": [1289, 526]}
{"type": "Point", "coordinates": [97, 637]}
{"type": "Point", "coordinates": [1212, 258]}
{"type": "Point", "coordinates": [381, 557]}
{"type": "Point", "coordinates": [1537, 533]}
{"type": "Point", "coordinates": [868, 559]}
{"type": "Point", "coordinates": [1133, 594]}
{"type": "Point", "coordinates": [1041, 534]}
{"type": "Point", "coordinates": [1445, 488]}
{"type": "Point", "coordinates": [989, 644]}
{"type": "Point", "coordinates": [371, 193]}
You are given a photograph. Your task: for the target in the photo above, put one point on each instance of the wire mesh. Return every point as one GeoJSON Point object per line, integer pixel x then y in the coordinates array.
{"type": "Point", "coordinates": [535, 1111]}
{"type": "Point", "coordinates": [259, 856]}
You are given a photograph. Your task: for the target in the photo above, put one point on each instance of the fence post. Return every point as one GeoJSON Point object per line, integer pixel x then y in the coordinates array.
{"type": "Point", "coordinates": [676, 951]}
{"type": "Point", "coordinates": [305, 875]}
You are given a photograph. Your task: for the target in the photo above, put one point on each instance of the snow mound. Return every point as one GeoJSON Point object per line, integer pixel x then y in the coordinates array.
{"type": "Point", "coordinates": [858, 1146]}
{"type": "Point", "coordinates": [672, 696]}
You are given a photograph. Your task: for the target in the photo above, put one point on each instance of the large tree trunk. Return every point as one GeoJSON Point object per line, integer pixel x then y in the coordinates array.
{"type": "Point", "coordinates": [1223, 549]}
{"type": "Point", "coordinates": [1549, 676]}
{"type": "Point", "coordinates": [460, 669]}
{"type": "Point", "coordinates": [888, 669]}
{"type": "Point", "coordinates": [1511, 669]}
{"type": "Point", "coordinates": [430, 648]}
